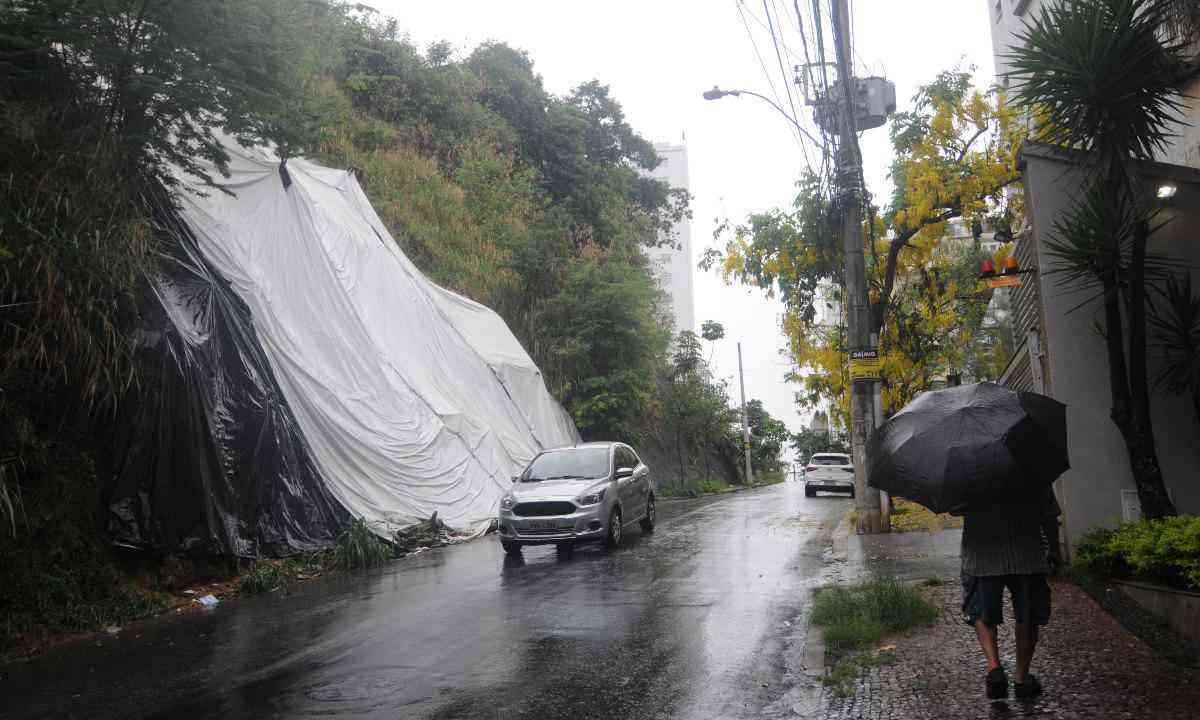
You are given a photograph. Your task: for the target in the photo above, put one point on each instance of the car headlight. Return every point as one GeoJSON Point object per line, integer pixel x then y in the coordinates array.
{"type": "Point", "coordinates": [592, 498]}
{"type": "Point", "coordinates": [507, 502]}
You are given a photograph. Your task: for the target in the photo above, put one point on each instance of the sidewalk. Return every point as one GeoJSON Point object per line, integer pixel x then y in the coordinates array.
{"type": "Point", "coordinates": [1091, 667]}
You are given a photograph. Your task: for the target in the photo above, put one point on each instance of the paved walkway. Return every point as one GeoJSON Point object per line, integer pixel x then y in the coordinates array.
{"type": "Point", "coordinates": [1091, 667]}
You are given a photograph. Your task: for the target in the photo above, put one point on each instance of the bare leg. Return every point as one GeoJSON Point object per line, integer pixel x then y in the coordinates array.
{"type": "Point", "coordinates": [987, 641]}
{"type": "Point", "coordinates": [1027, 637]}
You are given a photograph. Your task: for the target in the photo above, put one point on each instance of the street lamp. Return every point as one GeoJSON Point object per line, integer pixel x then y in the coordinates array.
{"type": "Point", "coordinates": [717, 93]}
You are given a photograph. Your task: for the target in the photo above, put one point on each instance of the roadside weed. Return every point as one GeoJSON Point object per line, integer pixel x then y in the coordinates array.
{"type": "Point", "coordinates": [358, 547]}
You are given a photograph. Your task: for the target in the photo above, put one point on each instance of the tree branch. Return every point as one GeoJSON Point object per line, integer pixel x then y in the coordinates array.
{"type": "Point", "coordinates": [970, 142]}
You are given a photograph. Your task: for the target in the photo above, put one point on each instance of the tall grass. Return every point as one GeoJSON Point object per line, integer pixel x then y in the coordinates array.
{"type": "Point", "coordinates": [358, 547]}
{"type": "Point", "coordinates": [858, 615]}
{"type": "Point", "coordinates": [263, 577]}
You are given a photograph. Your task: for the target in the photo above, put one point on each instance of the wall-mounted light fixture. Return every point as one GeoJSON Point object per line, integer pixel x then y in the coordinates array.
{"type": "Point", "coordinates": [1166, 191]}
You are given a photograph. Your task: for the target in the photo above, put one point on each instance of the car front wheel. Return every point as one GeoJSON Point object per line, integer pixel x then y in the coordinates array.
{"type": "Point", "coordinates": [612, 538]}
{"type": "Point", "coordinates": [648, 519]}
{"type": "Point", "coordinates": [510, 547]}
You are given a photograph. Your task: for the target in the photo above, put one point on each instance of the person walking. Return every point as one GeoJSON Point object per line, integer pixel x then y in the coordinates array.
{"type": "Point", "coordinates": [1014, 546]}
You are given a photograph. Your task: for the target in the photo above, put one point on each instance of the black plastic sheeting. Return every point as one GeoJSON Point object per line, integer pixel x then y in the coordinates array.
{"type": "Point", "coordinates": [209, 459]}
{"type": "Point", "coordinates": [970, 448]}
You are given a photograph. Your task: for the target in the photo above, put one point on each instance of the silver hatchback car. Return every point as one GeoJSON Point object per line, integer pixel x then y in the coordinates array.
{"type": "Point", "coordinates": [576, 494]}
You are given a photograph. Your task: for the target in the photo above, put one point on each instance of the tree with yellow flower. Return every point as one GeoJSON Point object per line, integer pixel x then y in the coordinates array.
{"type": "Point", "coordinates": [955, 158]}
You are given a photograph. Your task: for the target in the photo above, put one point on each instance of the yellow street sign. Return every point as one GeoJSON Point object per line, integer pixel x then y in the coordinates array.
{"type": "Point", "coordinates": [865, 365]}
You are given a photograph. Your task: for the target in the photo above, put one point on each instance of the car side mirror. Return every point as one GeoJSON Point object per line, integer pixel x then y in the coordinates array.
{"type": "Point", "coordinates": [624, 472]}
{"type": "Point", "coordinates": [516, 479]}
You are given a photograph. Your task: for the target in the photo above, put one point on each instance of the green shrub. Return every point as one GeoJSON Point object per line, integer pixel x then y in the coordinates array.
{"type": "Point", "coordinates": [711, 486]}
{"type": "Point", "coordinates": [264, 577]}
{"type": "Point", "coordinates": [358, 547]}
{"type": "Point", "coordinates": [1166, 550]}
{"type": "Point", "coordinates": [857, 615]}
{"type": "Point", "coordinates": [57, 573]}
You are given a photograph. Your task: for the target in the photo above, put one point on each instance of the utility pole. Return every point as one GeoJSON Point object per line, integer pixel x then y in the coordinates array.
{"type": "Point", "coordinates": [745, 420]}
{"type": "Point", "coordinates": [862, 403]}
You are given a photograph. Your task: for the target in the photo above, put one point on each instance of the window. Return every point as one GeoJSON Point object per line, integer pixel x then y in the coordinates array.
{"type": "Point", "coordinates": [586, 462]}
{"type": "Point", "coordinates": [633, 458]}
{"type": "Point", "coordinates": [625, 458]}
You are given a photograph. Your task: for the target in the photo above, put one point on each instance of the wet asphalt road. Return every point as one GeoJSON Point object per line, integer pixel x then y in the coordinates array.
{"type": "Point", "coordinates": [702, 619]}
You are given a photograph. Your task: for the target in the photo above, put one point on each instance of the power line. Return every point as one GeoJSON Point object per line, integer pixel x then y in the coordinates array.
{"type": "Point", "coordinates": [766, 73]}
{"type": "Point", "coordinates": [786, 79]}
{"type": "Point", "coordinates": [779, 58]}
{"type": "Point", "coordinates": [792, 54]}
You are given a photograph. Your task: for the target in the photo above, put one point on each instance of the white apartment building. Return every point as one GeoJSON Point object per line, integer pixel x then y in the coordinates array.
{"type": "Point", "coordinates": [673, 265]}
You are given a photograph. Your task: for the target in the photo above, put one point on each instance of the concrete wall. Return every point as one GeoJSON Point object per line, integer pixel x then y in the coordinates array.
{"type": "Point", "coordinates": [1077, 367]}
{"type": "Point", "coordinates": [1184, 147]}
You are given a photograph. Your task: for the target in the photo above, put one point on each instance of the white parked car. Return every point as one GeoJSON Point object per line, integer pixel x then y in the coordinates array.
{"type": "Point", "coordinates": [832, 472]}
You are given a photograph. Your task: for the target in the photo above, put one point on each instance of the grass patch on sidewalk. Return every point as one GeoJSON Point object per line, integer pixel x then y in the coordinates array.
{"type": "Point", "coordinates": [859, 615]}
{"type": "Point", "coordinates": [908, 516]}
{"type": "Point", "coordinates": [856, 617]}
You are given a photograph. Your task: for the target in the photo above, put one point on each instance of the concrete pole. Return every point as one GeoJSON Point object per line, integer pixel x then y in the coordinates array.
{"type": "Point", "coordinates": [745, 421]}
{"type": "Point", "coordinates": [862, 403]}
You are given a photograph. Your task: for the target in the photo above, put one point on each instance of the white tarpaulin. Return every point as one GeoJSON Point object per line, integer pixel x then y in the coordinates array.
{"type": "Point", "coordinates": [411, 398]}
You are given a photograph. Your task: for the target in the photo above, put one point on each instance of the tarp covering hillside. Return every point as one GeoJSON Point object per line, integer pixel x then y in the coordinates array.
{"type": "Point", "coordinates": [210, 459]}
{"type": "Point", "coordinates": [409, 399]}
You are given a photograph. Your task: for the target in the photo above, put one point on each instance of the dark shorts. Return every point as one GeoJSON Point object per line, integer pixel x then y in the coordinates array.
{"type": "Point", "coordinates": [983, 597]}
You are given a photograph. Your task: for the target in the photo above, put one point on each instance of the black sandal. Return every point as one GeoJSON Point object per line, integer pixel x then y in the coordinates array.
{"type": "Point", "coordinates": [996, 684]}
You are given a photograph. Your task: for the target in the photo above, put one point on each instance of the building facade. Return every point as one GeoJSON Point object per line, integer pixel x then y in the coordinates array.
{"type": "Point", "coordinates": [1059, 350]}
{"type": "Point", "coordinates": [1008, 19]}
{"type": "Point", "coordinates": [672, 263]}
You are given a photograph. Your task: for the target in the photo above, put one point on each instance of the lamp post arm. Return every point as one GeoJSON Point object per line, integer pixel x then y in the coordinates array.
{"type": "Point", "coordinates": [779, 109]}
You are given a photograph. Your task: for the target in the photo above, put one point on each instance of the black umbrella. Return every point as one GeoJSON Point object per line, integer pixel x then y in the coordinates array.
{"type": "Point", "coordinates": [970, 447]}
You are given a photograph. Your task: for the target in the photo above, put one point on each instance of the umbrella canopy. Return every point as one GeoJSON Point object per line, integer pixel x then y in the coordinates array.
{"type": "Point", "coordinates": [970, 447]}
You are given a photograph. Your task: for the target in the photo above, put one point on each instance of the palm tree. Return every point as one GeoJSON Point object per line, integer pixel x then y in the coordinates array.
{"type": "Point", "coordinates": [1103, 78]}
{"type": "Point", "coordinates": [1175, 318]}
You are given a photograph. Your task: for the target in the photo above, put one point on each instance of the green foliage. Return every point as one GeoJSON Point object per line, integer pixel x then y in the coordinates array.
{"type": "Point", "coordinates": [954, 156]}
{"type": "Point", "coordinates": [1175, 321]}
{"type": "Point", "coordinates": [161, 78]}
{"type": "Point", "coordinates": [57, 573]}
{"type": "Point", "coordinates": [712, 330]}
{"type": "Point", "coordinates": [1102, 79]}
{"type": "Point", "coordinates": [1165, 550]}
{"type": "Point", "coordinates": [358, 547]}
{"type": "Point", "coordinates": [605, 343]}
{"type": "Point", "coordinates": [694, 412]}
{"type": "Point", "coordinates": [1105, 77]}
{"type": "Point", "coordinates": [263, 577]}
{"type": "Point", "coordinates": [768, 437]}
{"type": "Point", "coordinates": [842, 677]}
{"type": "Point", "coordinates": [807, 442]}
{"type": "Point", "coordinates": [857, 615]}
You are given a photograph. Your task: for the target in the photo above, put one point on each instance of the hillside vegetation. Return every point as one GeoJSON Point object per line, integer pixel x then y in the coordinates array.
{"type": "Point", "coordinates": [536, 204]}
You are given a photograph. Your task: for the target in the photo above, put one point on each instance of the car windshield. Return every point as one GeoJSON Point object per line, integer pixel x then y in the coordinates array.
{"type": "Point", "coordinates": [590, 462]}
{"type": "Point", "coordinates": [831, 460]}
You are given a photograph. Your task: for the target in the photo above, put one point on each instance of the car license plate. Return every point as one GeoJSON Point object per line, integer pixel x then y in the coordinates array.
{"type": "Point", "coordinates": [540, 524]}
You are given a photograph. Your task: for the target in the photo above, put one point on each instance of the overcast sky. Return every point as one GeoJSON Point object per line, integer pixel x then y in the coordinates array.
{"type": "Point", "coordinates": [659, 55]}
